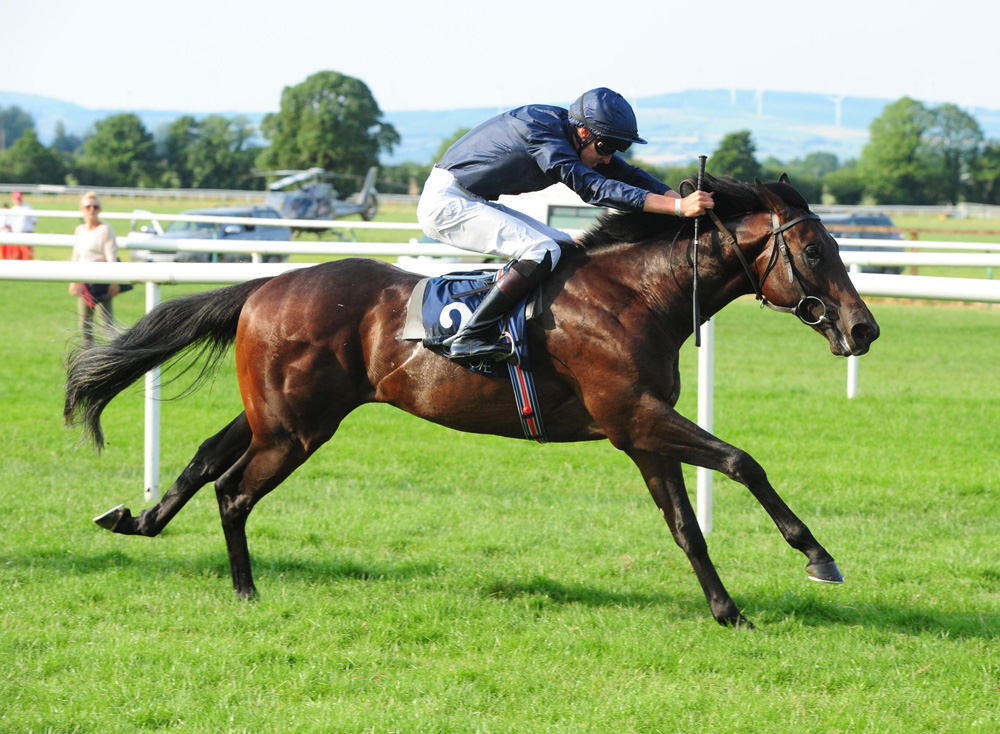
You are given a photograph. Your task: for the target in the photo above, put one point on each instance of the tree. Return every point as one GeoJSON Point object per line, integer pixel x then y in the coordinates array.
{"type": "Point", "coordinates": [177, 144]}
{"type": "Point", "coordinates": [28, 161]}
{"type": "Point", "coordinates": [894, 164]}
{"type": "Point", "coordinates": [223, 157]}
{"type": "Point", "coordinates": [65, 143]}
{"type": "Point", "coordinates": [845, 184]}
{"type": "Point", "coordinates": [14, 122]}
{"type": "Point", "coordinates": [953, 142]}
{"type": "Point", "coordinates": [210, 153]}
{"type": "Point", "coordinates": [984, 186]}
{"type": "Point", "coordinates": [735, 157]}
{"type": "Point", "coordinates": [119, 153]}
{"type": "Point", "coordinates": [331, 121]}
{"type": "Point", "coordinates": [816, 165]}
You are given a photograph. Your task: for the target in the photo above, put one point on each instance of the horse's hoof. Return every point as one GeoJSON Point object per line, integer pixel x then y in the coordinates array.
{"type": "Point", "coordinates": [248, 595]}
{"type": "Point", "coordinates": [110, 519]}
{"type": "Point", "coordinates": [825, 573]}
{"type": "Point", "coordinates": [738, 622]}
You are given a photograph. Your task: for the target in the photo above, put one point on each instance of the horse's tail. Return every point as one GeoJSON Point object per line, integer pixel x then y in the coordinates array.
{"type": "Point", "coordinates": [96, 375]}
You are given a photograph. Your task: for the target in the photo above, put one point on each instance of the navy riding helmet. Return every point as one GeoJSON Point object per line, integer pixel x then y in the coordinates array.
{"type": "Point", "coordinates": [606, 113]}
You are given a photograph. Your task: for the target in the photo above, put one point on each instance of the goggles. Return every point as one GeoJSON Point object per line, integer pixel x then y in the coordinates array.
{"type": "Point", "coordinates": [610, 146]}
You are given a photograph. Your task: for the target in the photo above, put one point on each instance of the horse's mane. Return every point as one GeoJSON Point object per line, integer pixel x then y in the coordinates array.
{"type": "Point", "coordinates": [732, 198]}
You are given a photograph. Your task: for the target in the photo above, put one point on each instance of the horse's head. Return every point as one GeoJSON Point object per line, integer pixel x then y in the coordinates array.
{"type": "Point", "coordinates": [801, 271]}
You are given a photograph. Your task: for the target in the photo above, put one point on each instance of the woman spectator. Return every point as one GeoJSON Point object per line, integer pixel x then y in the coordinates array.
{"type": "Point", "coordinates": [95, 242]}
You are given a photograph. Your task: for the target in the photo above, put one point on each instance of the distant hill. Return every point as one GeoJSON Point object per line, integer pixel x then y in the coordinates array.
{"type": "Point", "coordinates": [679, 126]}
{"type": "Point", "coordinates": [48, 112]}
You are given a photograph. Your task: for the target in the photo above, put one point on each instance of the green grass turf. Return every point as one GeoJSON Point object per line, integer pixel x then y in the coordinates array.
{"type": "Point", "coordinates": [415, 579]}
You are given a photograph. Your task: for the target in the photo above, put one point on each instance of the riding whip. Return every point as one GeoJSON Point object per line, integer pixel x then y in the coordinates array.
{"type": "Point", "coordinates": [694, 292]}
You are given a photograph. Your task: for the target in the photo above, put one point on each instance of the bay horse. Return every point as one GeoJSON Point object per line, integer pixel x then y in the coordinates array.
{"type": "Point", "coordinates": [314, 344]}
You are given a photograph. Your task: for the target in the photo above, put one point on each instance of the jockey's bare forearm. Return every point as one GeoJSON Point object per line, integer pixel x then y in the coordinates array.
{"type": "Point", "coordinates": [691, 206]}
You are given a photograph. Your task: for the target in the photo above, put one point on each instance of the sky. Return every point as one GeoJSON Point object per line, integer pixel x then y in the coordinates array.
{"type": "Point", "coordinates": [222, 56]}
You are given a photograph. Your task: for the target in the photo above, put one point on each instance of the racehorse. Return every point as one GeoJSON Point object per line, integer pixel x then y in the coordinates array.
{"type": "Point", "coordinates": [314, 344]}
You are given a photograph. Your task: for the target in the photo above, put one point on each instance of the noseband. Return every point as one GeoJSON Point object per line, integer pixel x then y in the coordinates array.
{"type": "Point", "coordinates": [807, 305]}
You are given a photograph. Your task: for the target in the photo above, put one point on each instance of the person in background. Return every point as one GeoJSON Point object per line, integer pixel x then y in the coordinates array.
{"type": "Point", "coordinates": [529, 149]}
{"type": "Point", "coordinates": [19, 221]}
{"type": "Point", "coordinates": [95, 242]}
{"type": "Point", "coordinates": [5, 253]}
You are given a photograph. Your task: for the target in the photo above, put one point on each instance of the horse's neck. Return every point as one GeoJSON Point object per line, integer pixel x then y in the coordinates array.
{"type": "Point", "coordinates": [721, 274]}
{"type": "Point", "coordinates": [659, 275]}
{"type": "Point", "coordinates": [663, 275]}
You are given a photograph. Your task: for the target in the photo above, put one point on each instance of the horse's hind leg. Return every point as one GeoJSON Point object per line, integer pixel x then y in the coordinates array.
{"type": "Point", "coordinates": [666, 483]}
{"type": "Point", "coordinates": [262, 468]}
{"type": "Point", "coordinates": [214, 456]}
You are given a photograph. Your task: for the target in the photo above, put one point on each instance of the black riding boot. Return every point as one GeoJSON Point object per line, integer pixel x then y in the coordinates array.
{"type": "Point", "coordinates": [474, 342]}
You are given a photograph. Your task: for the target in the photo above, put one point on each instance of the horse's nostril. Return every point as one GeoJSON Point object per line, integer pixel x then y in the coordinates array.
{"type": "Point", "coordinates": [864, 333]}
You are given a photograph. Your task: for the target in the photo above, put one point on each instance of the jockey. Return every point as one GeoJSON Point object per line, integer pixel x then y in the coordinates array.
{"type": "Point", "coordinates": [529, 149]}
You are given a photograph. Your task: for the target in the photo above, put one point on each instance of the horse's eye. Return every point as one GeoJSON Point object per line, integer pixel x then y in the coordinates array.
{"type": "Point", "coordinates": [814, 252]}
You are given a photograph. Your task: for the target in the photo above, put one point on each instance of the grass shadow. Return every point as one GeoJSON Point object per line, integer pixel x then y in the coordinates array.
{"type": "Point", "coordinates": [69, 563]}
{"type": "Point", "coordinates": [560, 593]}
{"type": "Point", "coordinates": [877, 615]}
{"type": "Point", "coordinates": [811, 612]}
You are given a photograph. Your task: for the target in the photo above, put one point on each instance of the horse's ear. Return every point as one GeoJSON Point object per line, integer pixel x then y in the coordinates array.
{"type": "Point", "coordinates": [771, 200]}
{"type": "Point", "coordinates": [783, 178]}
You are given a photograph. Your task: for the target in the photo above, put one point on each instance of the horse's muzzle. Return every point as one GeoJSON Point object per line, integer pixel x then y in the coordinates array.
{"type": "Point", "coordinates": [855, 340]}
{"type": "Point", "coordinates": [863, 334]}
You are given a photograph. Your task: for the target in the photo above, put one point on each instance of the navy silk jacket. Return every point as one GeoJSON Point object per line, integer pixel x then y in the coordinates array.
{"type": "Point", "coordinates": [529, 149]}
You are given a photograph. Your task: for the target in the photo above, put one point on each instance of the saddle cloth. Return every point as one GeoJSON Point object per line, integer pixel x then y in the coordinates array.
{"type": "Point", "coordinates": [437, 309]}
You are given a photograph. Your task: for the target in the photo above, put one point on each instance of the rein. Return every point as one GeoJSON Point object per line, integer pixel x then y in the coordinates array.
{"type": "Point", "coordinates": [807, 305]}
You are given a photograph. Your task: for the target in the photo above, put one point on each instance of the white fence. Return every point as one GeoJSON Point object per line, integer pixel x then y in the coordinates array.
{"type": "Point", "coordinates": [188, 194]}
{"type": "Point", "coordinates": [963, 210]}
{"type": "Point", "coordinates": [155, 274]}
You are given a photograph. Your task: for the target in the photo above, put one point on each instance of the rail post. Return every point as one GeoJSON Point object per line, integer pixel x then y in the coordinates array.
{"type": "Point", "coordinates": [706, 406]}
{"type": "Point", "coordinates": [151, 473]}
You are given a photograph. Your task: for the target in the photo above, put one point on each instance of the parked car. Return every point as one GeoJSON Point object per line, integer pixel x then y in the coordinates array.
{"type": "Point", "coordinates": [856, 219]}
{"type": "Point", "coordinates": [215, 231]}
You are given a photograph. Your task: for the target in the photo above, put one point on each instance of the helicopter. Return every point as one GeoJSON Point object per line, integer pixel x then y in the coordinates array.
{"type": "Point", "coordinates": [314, 198]}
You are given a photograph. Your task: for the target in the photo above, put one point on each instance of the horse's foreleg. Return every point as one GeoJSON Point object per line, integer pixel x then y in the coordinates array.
{"type": "Point", "coordinates": [213, 457]}
{"type": "Point", "coordinates": [665, 432]}
{"type": "Point", "coordinates": [739, 466]}
{"type": "Point", "coordinates": [666, 483]}
{"type": "Point", "coordinates": [744, 469]}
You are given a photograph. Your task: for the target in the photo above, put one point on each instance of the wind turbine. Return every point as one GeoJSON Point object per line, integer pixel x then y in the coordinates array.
{"type": "Point", "coordinates": [837, 101]}
{"type": "Point", "coordinates": [759, 98]}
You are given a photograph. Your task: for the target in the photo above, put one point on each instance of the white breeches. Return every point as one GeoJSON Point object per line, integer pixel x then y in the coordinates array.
{"type": "Point", "coordinates": [455, 216]}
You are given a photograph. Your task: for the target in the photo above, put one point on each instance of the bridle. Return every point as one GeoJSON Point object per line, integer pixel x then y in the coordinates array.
{"type": "Point", "coordinates": [807, 306]}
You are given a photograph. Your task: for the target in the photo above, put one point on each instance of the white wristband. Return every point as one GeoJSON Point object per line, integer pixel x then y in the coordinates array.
{"type": "Point", "coordinates": [677, 207]}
